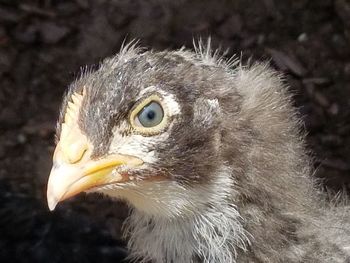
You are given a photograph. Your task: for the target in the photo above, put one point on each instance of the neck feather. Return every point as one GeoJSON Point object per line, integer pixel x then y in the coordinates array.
{"type": "Point", "coordinates": [215, 234]}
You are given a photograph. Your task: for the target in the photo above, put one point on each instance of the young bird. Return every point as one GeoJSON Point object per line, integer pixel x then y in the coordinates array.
{"type": "Point", "coordinates": [208, 154]}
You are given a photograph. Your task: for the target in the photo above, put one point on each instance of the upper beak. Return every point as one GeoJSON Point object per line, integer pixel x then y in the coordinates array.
{"type": "Point", "coordinates": [68, 178]}
{"type": "Point", "coordinates": [73, 169]}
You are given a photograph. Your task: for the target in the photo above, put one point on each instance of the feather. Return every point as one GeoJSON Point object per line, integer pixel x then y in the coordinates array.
{"type": "Point", "coordinates": [237, 181]}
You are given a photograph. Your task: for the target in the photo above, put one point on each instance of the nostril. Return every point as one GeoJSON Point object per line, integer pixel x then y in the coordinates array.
{"type": "Point", "coordinates": [76, 152]}
{"type": "Point", "coordinates": [74, 145]}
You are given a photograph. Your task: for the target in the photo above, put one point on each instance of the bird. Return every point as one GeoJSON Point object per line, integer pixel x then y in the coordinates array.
{"type": "Point", "coordinates": [209, 154]}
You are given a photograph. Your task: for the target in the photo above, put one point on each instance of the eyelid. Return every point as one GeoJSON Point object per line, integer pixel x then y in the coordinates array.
{"type": "Point", "coordinates": [137, 121]}
{"type": "Point", "coordinates": [148, 131]}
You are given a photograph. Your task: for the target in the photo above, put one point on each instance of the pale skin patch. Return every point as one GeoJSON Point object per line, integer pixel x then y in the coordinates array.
{"type": "Point", "coordinates": [73, 143]}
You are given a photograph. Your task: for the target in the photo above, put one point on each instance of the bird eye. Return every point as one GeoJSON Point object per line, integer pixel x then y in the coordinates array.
{"type": "Point", "coordinates": [151, 115]}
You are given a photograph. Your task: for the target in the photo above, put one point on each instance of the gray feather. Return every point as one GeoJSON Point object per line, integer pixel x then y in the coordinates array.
{"type": "Point", "coordinates": [239, 184]}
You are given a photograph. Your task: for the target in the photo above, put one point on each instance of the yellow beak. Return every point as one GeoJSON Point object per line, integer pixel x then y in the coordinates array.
{"type": "Point", "coordinates": [73, 169]}
{"type": "Point", "coordinates": [69, 178]}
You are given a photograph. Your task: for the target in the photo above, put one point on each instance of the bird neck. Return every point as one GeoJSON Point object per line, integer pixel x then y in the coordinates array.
{"type": "Point", "coordinates": [213, 234]}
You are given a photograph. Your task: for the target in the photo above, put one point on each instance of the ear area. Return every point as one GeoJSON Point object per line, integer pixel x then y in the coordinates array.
{"type": "Point", "coordinates": [206, 112]}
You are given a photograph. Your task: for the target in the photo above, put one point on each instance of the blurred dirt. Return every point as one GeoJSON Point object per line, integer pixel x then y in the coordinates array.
{"type": "Point", "coordinates": [43, 44]}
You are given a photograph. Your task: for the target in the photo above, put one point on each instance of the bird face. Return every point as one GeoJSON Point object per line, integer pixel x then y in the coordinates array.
{"type": "Point", "coordinates": [143, 127]}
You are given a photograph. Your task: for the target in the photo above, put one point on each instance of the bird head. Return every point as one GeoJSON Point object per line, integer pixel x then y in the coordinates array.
{"type": "Point", "coordinates": [146, 127]}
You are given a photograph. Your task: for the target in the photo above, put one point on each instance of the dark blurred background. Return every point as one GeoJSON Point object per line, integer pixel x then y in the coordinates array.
{"type": "Point", "coordinates": [44, 43]}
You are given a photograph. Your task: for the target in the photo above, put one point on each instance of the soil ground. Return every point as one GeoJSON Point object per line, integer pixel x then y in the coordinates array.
{"type": "Point", "coordinates": [44, 43]}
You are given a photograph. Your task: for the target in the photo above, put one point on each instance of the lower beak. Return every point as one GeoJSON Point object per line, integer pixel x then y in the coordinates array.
{"type": "Point", "coordinates": [69, 179]}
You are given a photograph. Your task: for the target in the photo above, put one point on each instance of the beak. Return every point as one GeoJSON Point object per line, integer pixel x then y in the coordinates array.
{"type": "Point", "coordinates": [73, 169]}
{"type": "Point", "coordinates": [69, 178]}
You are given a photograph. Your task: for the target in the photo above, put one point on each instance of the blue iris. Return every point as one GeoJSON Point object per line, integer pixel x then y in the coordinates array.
{"type": "Point", "coordinates": [151, 115]}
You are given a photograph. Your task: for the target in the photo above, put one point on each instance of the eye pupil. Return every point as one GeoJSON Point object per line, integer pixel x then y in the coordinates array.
{"type": "Point", "coordinates": [151, 115]}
